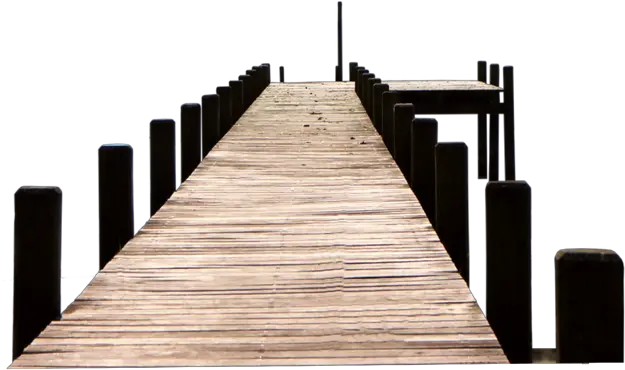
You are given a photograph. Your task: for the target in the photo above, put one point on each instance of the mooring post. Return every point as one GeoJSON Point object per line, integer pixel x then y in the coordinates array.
{"type": "Point", "coordinates": [452, 203]}
{"type": "Point", "coordinates": [389, 99]}
{"type": "Point", "coordinates": [211, 121]}
{"type": "Point", "coordinates": [589, 306]}
{"type": "Point", "coordinates": [363, 87]}
{"type": "Point", "coordinates": [508, 267]}
{"type": "Point", "coordinates": [493, 130]}
{"type": "Point", "coordinates": [246, 79]}
{"type": "Point", "coordinates": [37, 263]}
{"type": "Point", "coordinates": [255, 83]}
{"type": "Point", "coordinates": [116, 208]}
{"type": "Point", "coordinates": [190, 136]}
{"type": "Point", "coordinates": [352, 71]}
{"type": "Point", "coordinates": [225, 109]}
{"type": "Point", "coordinates": [337, 73]}
{"type": "Point", "coordinates": [482, 76]}
{"type": "Point", "coordinates": [359, 72]}
{"type": "Point", "coordinates": [162, 162]}
{"type": "Point", "coordinates": [267, 74]}
{"type": "Point", "coordinates": [340, 42]}
{"type": "Point", "coordinates": [236, 89]}
{"type": "Point", "coordinates": [281, 74]}
{"type": "Point", "coordinates": [378, 90]}
{"type": "Point", "coordinates": [403, 116]}
{"type": "Point", "coordinates": [260, 80]}
{"type": "Point", "coordinates": [424, 137]}
{"type": "Point", "coordinates": [508, 126]}
{"type": "Point", "coordinates": [369, 94]}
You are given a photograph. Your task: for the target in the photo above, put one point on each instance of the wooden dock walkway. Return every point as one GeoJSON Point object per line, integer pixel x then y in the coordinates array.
{"type": "Point", "coordinates": [297, 241]}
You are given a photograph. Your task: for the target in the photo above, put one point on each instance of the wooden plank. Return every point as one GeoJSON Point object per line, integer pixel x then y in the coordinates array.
{"type": "Point", "coordinates": [296, 241]}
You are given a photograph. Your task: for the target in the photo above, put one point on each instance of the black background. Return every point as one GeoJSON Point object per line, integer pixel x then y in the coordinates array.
{"type": "Point", "coordinates": [85, 86]}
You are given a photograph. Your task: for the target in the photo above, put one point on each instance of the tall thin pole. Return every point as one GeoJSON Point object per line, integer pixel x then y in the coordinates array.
{"type": "Point", "coordinates": [340, 71]}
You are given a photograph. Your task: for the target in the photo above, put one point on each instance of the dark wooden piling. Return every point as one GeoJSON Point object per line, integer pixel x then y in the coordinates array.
{"type": "Point", "coordinates": [162, 162]}
{"type": "Point", "coordinates": [284, 72]}
{"type": "Point", "coordinates": [508, 267]}
{"type": "Point", "coordinates": [508, 122]}
{"type": "Point", "coordinates": [146, 209]}
{"type": "Point", "coordinates": [403, 116]}
{"type": "Point", "coordinates": [481, 129]}
{"type": "Point", "coordinates": [37, 262]}
{"type": "Point", "coordinates": [493, 170]}
{"type": "Point", "coordinates": [178, 144]}
{"type": "Point", "coordinates": [236, 90]}
{"type": "Point", "coordinates": [225, 109]}
{"type": "Point", "coordinates": [378, 90]}
{"type": "Point", "coordinates": [340, 42]}
{"type": "Point", "coordinates": [389, 99]}
{"type": "Point", "coordinates": [352, 71]}
{"type": "Point", "coordinates": [337, 74]}
{"type": "Point", "coordinates": [254, 85]}
{"type": "Point", "coordinates": [190, 136]}
{"type": "Point", "coordinates": [423, 140]}
{"type": "Point", "coordinates": [248, 91]}
{"type": "Point", "coordinates": [360, 72]}
{"type": "Point", "coordinates": [452, 203]}
{"type": "Point", "coordinates": [589, 306]}
{"type": "Point", "coordinates": [210, 122]}
{"type": "Point", "coordinates": [364, 82]}
{"type": "Point", "coordinates": [369, 95]}
{"type": "Point", "coordinates": [116, 208]}
{"type": "Point", "coordinates": [267, 73]}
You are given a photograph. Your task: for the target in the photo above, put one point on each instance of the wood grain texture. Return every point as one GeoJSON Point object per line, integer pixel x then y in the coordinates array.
{"type": "Point", "coordinates": [296, 241]}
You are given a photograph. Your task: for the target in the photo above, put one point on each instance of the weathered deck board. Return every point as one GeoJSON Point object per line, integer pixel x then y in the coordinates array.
{"type": "Point", "coordinates": [295, 242]}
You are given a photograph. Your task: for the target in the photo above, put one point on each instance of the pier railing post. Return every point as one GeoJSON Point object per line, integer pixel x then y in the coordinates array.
{"type": "Point", "coordinates": [424, 137]}
{"type": "Point", "coordinates": [162, 162]}
{"type": "Point", "coordinates": [248, 91]}
{"type": "Point", "coordinates": [364, 78]}
{"type": "Point", "coordinates": [352, 71]}
{"type": "Point", "coordinates": [254, 85]}
{"type": "Point", "coordinates": [360, 71]}
{"type": "Point", "coordinates": [265, 76]}
{"type": "Point", "coordinates": [116, 206]}
{"type": "Point", "coordinates": [190, 136]}
{"type": "Point", "coordinates": [481, 129]}
{"type": "Point", "coordinates": [493, 171]}
{"type": "Point", "coordinates": [210, 122]}
{"type": "Point", "coordinates": [225, 109]}
{"type": "Point", "coordinates": [378, 90]}
{"type": "Point", "coordinates": [508, 267]}
{"type": "Point", "coordinates": [508, 122]}
{"type": "Point", "coordinates": [452, 203]}
{"type": "Point", "coordinates": [236, 89]}
{"type": "Point", "coordinates": [37, 263]}
{"type": "Point", "coordinates": [589, 306]}
{"type": "Point", "coordinates": [403, 116]}
{"type": "Point", "coordinates": [389, 99]}
{"type": "Point", "coordinates": [369, 96]}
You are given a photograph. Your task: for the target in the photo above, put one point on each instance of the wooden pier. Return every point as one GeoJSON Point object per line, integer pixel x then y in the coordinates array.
{"type": "Point", "coordinates": [296, 241]}
{"type": "Point", "coordinates": [317, 223]}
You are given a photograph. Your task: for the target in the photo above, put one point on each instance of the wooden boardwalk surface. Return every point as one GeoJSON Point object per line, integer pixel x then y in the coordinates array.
{"type": "Point", "coordinates": [296, 241]}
